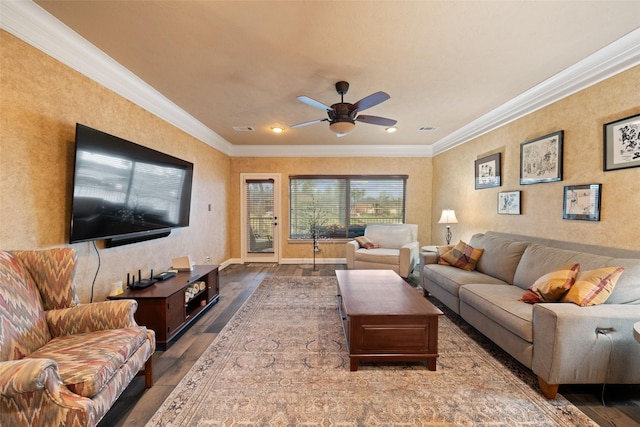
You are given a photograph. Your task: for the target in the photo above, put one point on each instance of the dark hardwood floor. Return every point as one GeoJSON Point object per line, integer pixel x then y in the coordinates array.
{"type": "Point", "coordinates": [136, 406]}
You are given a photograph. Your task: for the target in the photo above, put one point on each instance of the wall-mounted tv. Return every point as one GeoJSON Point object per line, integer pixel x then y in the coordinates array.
{"type": "Point", "coordinates": [124, 192]}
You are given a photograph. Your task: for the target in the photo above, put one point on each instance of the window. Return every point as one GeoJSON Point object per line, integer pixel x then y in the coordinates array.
{"type": "Point", "coordinates": [342, 206]}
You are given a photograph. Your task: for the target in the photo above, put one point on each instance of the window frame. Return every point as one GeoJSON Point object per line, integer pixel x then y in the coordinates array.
{"type": "Point", "coordinates": [348, 226]}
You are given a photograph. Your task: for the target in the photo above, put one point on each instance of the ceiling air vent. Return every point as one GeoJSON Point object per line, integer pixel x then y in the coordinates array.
{"type": "Point", "coordinates": [427, 128]}
{"type": "Point", "coordinates": [244, 128]}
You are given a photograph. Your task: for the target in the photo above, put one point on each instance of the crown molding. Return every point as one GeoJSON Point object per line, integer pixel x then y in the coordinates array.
{"type": "Point", "coordinates": [613, 59]}
{"type": "Point", "coordinates": [331, 151]}
{"type": "Point", "coordinates": [35, 26]}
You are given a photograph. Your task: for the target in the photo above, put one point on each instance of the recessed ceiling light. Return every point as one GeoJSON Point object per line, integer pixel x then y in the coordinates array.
{"type": "Point", "coordinates": [277, 129]}
{"type": "Point", "coordinates": [391, 129]}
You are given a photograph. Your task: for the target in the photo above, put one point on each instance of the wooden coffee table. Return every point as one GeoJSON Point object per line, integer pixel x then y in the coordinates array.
{"type": "Point", "coordinates": [385, 319]}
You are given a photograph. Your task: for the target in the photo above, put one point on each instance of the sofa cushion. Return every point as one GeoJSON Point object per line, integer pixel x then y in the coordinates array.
{"type": "Point", "coordinates": [450, 278]}
{"type": "Point", "coordinates": [593, 287]}
{"type": "Point", "coordinates": [461, 256]}
{"type": "Point", "coordinates": [538, 260]}
{"type": "Point", "coordinates": [86, 362]}
{"type": "Point", "coordinates": [53, 271]}
{"type": "Point", "coordinates": [627, 290]}
{"type": "Point", "coordinates": [501, 304]}
{"type": "Point", "coordinates": [552, 286]}
{"type": "Point", "coordinates": [378, 255]}
{"type": "Point", "coordinates": [23, 326]}
{"type": "Point", "coordinates": [500, 257]}
{"type": "Point", "coordinates": [392, 236]}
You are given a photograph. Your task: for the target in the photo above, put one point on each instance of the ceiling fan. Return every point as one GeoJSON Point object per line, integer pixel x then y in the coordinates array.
{"type": "Point", "coordinates": [342, 115]}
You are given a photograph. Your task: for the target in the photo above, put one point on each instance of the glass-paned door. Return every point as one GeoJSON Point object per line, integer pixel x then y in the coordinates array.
{"type": "Point", "coordinates": [260, 218]}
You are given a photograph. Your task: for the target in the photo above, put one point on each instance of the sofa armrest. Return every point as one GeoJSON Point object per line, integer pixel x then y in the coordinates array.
{"type": "Point", "coordinates": [31, 387]}
{"type": "Point", "coordinates": [568, 349]}
{"type": "Point", "coordinates": [116, 314]}
{"type": "Point", "coordinates": [351, 248]}
{"type": "Point", "coordinates": [26, 375]}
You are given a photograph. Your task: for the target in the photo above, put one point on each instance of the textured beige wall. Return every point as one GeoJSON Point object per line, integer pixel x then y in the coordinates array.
{"type": "Point", "coordinates": [581, 116]}
{"type": "Point", "coordinates": [418, 192]}
{"type": "Point", "coordinates": [40, 102]}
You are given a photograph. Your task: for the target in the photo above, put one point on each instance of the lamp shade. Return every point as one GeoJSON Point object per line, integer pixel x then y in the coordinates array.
{"type": "Point", "coordinates": [342, 127]}
{"type": "Point", "coordinates": [448, 217]}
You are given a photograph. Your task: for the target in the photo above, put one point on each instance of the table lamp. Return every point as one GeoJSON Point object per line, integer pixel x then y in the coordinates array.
{"type": "Point", "coordinates": [448, 217]}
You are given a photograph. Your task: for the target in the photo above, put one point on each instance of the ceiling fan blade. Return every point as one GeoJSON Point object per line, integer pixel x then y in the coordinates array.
{"type": "Point", "coordinates": [375, 120]}
{"type": "Point", "coordinates": [312, 122]}
{"type": "Point", "coordinates": [370, 101]}
{"type": "Point", "coordinates": [314, 103]}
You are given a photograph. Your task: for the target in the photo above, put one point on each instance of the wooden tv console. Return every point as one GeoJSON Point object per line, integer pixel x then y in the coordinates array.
{"type": "Point", "coordinates": [164, 308]}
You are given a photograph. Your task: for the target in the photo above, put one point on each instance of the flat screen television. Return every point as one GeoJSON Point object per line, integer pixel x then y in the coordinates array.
{"type": "Point", "coordinates": [124, 192]}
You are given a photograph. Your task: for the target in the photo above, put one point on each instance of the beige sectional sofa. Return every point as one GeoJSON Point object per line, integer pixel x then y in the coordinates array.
{"type": "Point", "coordinates": [561, 342]}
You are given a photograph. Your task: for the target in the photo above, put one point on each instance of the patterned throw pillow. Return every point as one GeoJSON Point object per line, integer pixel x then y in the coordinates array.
{"type": "Point", "coordinates": [462, 256]}
{"type": "Point", "coordinates": [552, 286]}
{"type": "Point", "coordinates": [443, 250]}
{"type": "Point", "coordinates": [593, 287]}
{"type": "Point", "coordinates": [366, 243]}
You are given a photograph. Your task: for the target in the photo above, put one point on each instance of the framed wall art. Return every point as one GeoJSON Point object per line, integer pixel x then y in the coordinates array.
{"type": "Point", "coordinates": [488, 171]}
{"type": "Point", "coordinates": [582, 202]}
{"type": "Point", "coordinates": [541, 159]}
{"type": "Point", "coordinates": [509, 202]}
{"type": "Point", "coordinates": [622, 144]}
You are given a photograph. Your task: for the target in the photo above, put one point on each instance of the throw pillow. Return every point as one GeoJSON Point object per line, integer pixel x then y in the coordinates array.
{"type": "Point", "coordinates": [442, 250]}
{"type": "Point", "coordinates": [593, 287]}
{"type": "Point", "coordinates": [366, 243]}
{"type": "Point", "coordinates": [552, 286]}
{"type": "Point", "coordinates": [462, 256]}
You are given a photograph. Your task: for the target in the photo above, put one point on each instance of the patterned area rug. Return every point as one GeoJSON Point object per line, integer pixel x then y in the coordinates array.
{"type": "Point", "coordinates": [282, 361]}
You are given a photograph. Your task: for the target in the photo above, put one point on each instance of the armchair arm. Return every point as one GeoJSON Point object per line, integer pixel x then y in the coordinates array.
{"type": "Point", "coordinates": [409, 258]}
{"type": "Point", "coordinates": [31, 387]}
{"type": "Point", "coordinates": [97, 316]}
{"type": "Point", "coordinates": [351, 248]}
{"type": "Point", "coordinates": [568, 350]}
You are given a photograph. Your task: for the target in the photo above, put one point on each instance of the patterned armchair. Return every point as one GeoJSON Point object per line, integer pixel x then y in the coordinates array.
{"type": "Point", "coordinates": [63, 363]}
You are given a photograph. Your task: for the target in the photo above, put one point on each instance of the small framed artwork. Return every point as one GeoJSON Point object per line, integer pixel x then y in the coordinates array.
{"type": "Point", "coordinates": [582, 202]}
{"type": "Point", "coordinates": [622, 144]}
{"type": "Point", "coordinates": [488, 171]}
{"type": "Point", "coordinates": [509, 202]}
{"type": "Point", "coordinates": [541, 159]}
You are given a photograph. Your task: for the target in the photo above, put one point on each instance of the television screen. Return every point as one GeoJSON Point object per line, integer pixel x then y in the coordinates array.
{"type": "Point", "coordinates": [125, 190]}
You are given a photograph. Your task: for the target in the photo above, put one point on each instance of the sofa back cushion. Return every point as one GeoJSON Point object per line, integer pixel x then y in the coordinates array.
{"type": "Point", "coordinates": [500, 257]}
{"type": "Point", "coordinates": [53, 271]}
{"type": "Point", "coordinates": [23, 327]}
{"type": "Point", "coordinates": [392, 236]}
{"type": "Point", "coordinates": [539, 260]}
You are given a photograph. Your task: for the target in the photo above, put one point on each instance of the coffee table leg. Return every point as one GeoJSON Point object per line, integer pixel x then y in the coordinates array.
{"type": "Point", "coordinates": [354, 363]}
{"type": "Point", "coordinates": [432, 364]}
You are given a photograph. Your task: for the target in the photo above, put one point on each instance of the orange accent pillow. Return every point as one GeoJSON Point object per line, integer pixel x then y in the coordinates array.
{"type": "Point", "coordinates": [593, 287]}
{"type": "Point", "coordinates": [552, 286]}
{"type": "Point", "coordinates": [462, 256]}
{"type": "Point", "coordinates": [366, 243]}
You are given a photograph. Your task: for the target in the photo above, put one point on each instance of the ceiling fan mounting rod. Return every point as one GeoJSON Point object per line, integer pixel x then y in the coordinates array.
{"type": "Point", "coordinates": [342, 88]}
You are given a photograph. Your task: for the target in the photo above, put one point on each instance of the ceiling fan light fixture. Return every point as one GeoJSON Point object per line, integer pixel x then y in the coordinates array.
{"type": "Point", "coordinates": [391, 129]}
{"type": "Point", "coordinates": [277, 129]}
{"type": "Point", "coordinates": [342, 127]}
